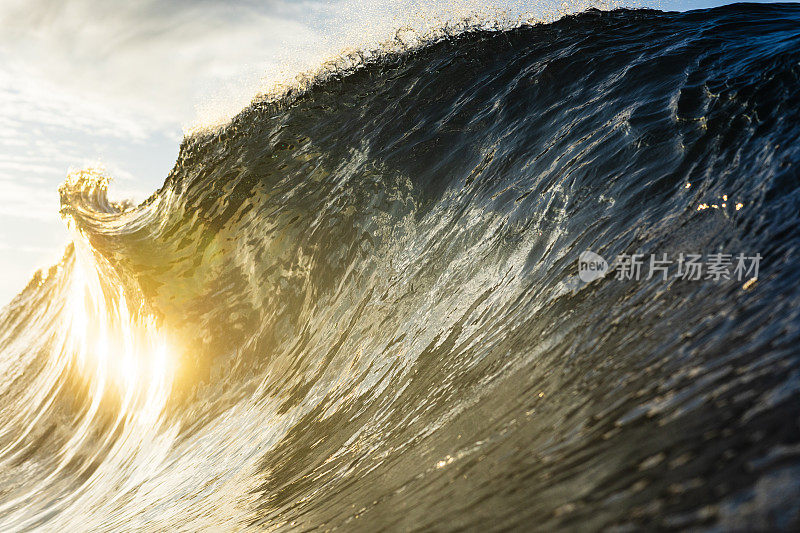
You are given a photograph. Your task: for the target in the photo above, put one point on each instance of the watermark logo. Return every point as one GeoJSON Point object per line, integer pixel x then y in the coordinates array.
{"type": "Point", "coordinates": [591, 266]}
{"type": "Point", "coordinates": [692, 267]}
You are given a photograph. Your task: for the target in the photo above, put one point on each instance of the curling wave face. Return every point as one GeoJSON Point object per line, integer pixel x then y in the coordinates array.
{"type": "Point", "coordinates": [356, 307]}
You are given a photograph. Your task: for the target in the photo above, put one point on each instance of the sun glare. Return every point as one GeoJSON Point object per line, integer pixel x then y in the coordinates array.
{"type": "Point", "coordinates": [113, 340]}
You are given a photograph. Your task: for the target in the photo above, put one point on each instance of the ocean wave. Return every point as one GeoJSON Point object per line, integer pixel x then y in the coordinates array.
{"type": "Point", "coordinates": [358, 306]}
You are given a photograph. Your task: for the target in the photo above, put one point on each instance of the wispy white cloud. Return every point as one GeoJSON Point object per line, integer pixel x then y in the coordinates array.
{"type": "Point", "coordinates": [26, 201]}
{"type": "Point", "coordinates": [123, 69]}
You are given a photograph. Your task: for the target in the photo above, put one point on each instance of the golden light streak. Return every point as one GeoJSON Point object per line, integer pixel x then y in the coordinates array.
{"type": "Point", "coordinates": [114, 340]}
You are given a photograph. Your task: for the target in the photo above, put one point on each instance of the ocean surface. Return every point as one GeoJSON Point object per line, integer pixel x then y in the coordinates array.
{"type": "Point", "coordinates": [358, 306]}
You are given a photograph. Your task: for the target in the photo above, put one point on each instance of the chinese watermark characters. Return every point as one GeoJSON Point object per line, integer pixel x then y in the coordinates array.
{"type": "Point", "coordinates": [693, 267]}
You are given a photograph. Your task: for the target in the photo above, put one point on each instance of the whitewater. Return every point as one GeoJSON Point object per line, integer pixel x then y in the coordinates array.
{"type": "Point", "coordinates": [357, 305]}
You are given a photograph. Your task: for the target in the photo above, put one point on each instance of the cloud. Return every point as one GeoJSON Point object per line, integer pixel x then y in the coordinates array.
{"type": "Point", "coordinates": [135, 66]}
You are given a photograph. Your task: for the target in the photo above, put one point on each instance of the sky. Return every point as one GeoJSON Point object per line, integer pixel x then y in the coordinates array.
{"type": "Point", "coordinates": [114, 85]}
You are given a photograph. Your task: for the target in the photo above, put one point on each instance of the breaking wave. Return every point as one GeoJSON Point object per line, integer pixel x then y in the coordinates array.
{"type": "Point", "coordinates": [357, 307]}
